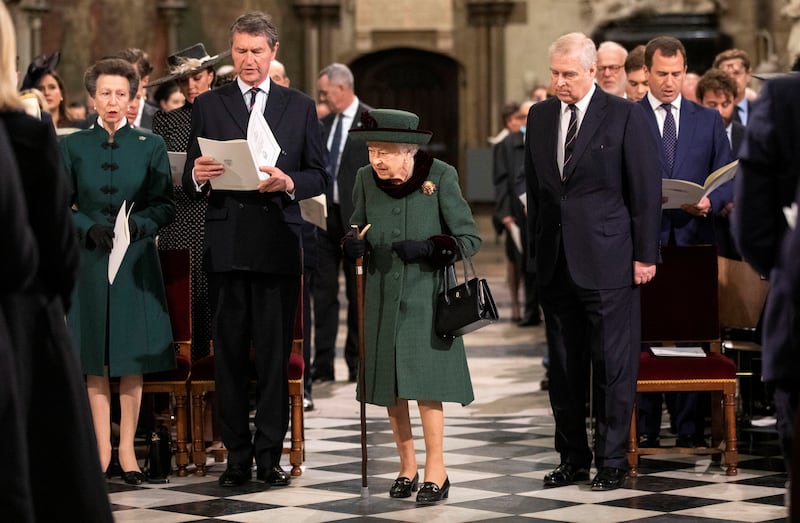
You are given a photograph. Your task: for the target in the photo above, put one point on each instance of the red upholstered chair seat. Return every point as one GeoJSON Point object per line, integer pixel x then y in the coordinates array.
{"type": "Point", "coordinates": [296, 366]}
{"type": "Point", "coordinates": [714, 366]}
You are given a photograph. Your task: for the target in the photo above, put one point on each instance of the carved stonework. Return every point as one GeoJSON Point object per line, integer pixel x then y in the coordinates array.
{"type": "Point", "coordinates": [396, 22]}
{"type": "Point", "coordinates": [792, 11]}
{"type": "Point", "coordinates": [603, 11]}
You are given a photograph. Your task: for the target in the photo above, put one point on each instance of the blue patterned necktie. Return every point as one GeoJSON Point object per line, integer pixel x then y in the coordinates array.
{"type": "Point", "coordinates": [333, 155]}
{"type": "Point", "coordinates": [572, 132]}
{"type": "Point", "coordinates": [669, 137]}
{"type": "Point", "coordinates": [253, 93]}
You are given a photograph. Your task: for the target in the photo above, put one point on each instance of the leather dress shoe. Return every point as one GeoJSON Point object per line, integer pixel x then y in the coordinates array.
{"type": "Point", "coordinates": [133, 477]}
{"type": "Point", "coordinates": [274, 477]}
{"type": "Point", "coordinates": [235, 475]}
{"type": "Point", "coordinates": [403, 487]}
{"type": "Point", "coordinates": [649, 441]}
{"type": "Point", "coordinates": [609, 478]}
{"type": "Point", "coordinates": [308, 403]}
{"type": "Point", "coordinates": [431, 492]}
{"type": "Point", "coordinates": [565, 474]}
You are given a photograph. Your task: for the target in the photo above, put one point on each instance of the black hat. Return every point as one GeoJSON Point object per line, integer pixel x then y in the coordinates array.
{"type": "Point", "coordinates": [40, 66]}
{"type": "Point", "coordinates": [188, 61]}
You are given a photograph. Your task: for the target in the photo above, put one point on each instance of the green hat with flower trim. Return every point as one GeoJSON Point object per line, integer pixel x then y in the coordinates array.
{"type": "Point", "coordinates": [391, 126]}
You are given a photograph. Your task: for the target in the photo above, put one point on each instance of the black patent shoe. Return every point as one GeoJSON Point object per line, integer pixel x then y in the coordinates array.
{"type": "Point", "coordinates": [403, 487]}
{"type": "Point", "coordinates": [565, 474]}
{"type": "Point", "coordinates": [133, 477]}
{"type": "Point", "coordinates": [274, 476]}
{"type": "Point", "coordinates": [609, 478]}
{"type": "Point", "coordinates": [431, 493]}
{"type": "Point", "coordinates": [235, 475]}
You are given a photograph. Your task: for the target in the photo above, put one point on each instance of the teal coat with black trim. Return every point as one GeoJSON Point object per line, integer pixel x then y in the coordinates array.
{"type": "Point", "coordinates": [404, 358]}
{"type": "Point", "coordinates": [129, 319]}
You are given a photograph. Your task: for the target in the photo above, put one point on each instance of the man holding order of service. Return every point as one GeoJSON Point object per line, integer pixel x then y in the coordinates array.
{"type": "Point", "coordinates": [593, 180]}
{"type": "Point", "coordinates": [253, 249]}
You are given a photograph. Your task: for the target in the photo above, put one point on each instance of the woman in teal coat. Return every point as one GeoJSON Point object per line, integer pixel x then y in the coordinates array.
{"type": "Point", "coordinates": [121, 329]}
{"type": "Point", "coordinates": [416, 214]}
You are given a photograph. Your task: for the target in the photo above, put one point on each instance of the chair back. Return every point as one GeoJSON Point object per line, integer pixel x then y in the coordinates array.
{"type": "Point", "coordinates": [742, 294]}
{"type": "Point", "coordinates": [176, 271]}
{"type": "Point", "coordinates": [681, 304]}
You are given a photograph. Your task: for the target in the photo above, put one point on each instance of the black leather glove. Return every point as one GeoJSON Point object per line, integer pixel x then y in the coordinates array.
{"type": "Point", "coordinates": [101, 236]}
{"type": "Point", "coordinates": [413, 250]}
{"type": "Point", "coordinates": [353, 246]}
{"type": "Point", "coordinates": [133, 228]}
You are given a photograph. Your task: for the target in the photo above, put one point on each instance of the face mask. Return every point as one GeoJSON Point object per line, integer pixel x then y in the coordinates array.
{"type": "Point", "coordinates": [522, 129]}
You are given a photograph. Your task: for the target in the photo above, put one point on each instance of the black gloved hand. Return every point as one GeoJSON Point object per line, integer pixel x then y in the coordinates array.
{"type": "Point", "coordinates": [353, 246]}
{"type": "Point", "coordinates": [133, 228]}
{"type": "Point", "coordinates": [413, 250]}
{"type": "Point", "coordinates": [101, 236]}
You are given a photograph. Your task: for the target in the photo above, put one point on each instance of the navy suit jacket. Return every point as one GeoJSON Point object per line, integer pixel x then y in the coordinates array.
{"type": "Point", "coordinates": [607, 209]}
{"type": "Point", "coordinates": [767, 182]}
{"type": "Point", "coordinates": [703, 147]}
{"type": "Point", "coordinates": [249, 230]}
{"type": "Point", "coordinates": [354, 157]}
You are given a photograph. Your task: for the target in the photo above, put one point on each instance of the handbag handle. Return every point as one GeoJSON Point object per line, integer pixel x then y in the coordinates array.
{"type": "Point", "coordinates": [450, 269]}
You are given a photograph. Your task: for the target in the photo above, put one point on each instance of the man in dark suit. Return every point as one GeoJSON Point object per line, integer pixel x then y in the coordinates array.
{"type": "Point", "coordinates": [717, 90]}
{"type": "Point", "coordinates": [765, 186]}
{"type": "Point", "coordinates": [252, 247]}
{"type": "Point", "coordinates": [594, 196]}
{"type": "Point", "coordinates": [335, 86]}
{"type": "Point", "coordinates": [736, 63]}
{"type": "Point", "coordinates": [694, 144]}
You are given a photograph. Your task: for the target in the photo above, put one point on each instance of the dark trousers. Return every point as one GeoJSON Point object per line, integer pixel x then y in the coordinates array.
{"type": "Point", "coordinates": [326, 298]}
{"type": "Point", "coordinates": [253, 310]}
{"type": "Point", "coordinates": [786, 397]}
{"type": "Point", "coordinates": [601, 326]}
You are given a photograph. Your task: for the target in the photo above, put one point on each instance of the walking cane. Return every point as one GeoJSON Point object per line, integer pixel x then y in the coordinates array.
{"type": "Point", "coordinates": [360, 309]}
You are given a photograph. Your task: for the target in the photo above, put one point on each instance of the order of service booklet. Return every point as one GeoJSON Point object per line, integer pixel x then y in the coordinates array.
{"type": "Point", "coordinates": [242, 158]}
{"type": "Point", "coordinates": [683, 192]}
{"type": "Point", "coordinates": [176, 161]}
{"type": "Point", "coordinates": [122, 239]}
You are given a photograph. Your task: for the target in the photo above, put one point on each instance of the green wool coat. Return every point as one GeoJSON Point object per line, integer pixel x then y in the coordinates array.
{"type": "Point", "coordinates": [125, 325]}
{"type": "Point", "coordinates": [403, 356]}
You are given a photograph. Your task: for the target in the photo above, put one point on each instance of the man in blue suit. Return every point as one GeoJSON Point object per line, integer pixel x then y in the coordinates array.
{"type": "Point", "coordinates": [694, 144]}
{"type": "Point", "coordinates": [253, 249]}
{"type": "Point", "coordinates": [593, 182]}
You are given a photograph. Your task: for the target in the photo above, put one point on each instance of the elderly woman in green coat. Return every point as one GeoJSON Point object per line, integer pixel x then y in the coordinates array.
{"type": "Point", "coordinates": [121, 329]}
{"type": "Point", "coordinates": [416, 214]}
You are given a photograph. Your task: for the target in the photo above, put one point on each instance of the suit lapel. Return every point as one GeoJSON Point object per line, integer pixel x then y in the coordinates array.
{"type": "Point", "coordinates": [548, 141]}
{"type": "Point", "coordinates": [595, 113]}
{"type": "Point", "coordinates": [234, 103]}
{"type": "Point", "coordinates": [276, 106]}
{"type": "Point", "coordinates": [685, 134]}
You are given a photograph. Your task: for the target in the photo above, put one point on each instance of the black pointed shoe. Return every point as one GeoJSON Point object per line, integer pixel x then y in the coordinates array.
{"type": "Point", "coordinates": [274, 476]}
{"type": "Point", "coordinates": [609, 478]}
{"type": "Point", "coordinates": [235, 475]}
{"type": "Point", "coordinates": [403, 487]}
{"type": "Point", "coordinates": [431, 493]}
{"type": "Point", "coordinates": [565, 474]}
{"type": "Point", "coordinates": [133, 477]}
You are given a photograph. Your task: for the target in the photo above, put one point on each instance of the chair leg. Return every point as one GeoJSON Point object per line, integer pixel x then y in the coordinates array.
{"type": "Point", "coordinates": [182, 451]}
{"type": "Point", "coordinates": [297, 449]}
{"type": "Point", "coordinates": [198, 443]}
{"type": "Point", "coordinates": [731, 449]}
{"type": "Point", "coordinates": [633, 445]}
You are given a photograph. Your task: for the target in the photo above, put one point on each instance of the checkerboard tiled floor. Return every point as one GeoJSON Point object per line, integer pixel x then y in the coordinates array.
{"type": "Point", "coordinates": [497, 451]}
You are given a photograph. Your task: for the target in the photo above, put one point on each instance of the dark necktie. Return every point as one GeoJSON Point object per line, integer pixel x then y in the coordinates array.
{"type": "Point", "coordinates": [253, 93]}
{"type": "Point", "coordinates": [669, 137]}
{"type": "Point", "coordinates": [333, 155]}
{"type": "Point", "coordinates": [572, 132]}
{"type": "Point", "coordinates": [737, 114]}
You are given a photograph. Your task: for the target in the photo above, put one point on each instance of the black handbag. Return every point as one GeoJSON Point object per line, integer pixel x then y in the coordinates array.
{"type": "Point", "coordinates": [463, 307]}
{"type": "Point", "coordinates": [160, 455]}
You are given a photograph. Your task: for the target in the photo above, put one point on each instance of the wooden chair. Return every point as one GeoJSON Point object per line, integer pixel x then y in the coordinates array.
{"type": "Point", "coordinates": [742, 295]}
{"type": "Point", "coordinates": [681, 305]}
{"type": "Point", "coordinates": [202, 384]}
{"type": "Point", "coordinates": [175, 268]}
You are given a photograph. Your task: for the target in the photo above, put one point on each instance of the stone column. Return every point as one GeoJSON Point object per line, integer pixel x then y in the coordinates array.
{"type": "Point", "coordinates": [319, 17]}
{"type": "Point", "coordinates": [35, 9]}
{"type": "Point", "coordinates": [489, 17]}
{"type": "Point", "coordinates": [172, 11]}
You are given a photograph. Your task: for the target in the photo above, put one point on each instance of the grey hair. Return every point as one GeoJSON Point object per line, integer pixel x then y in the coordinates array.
{"type": "Point", "coordinates": [575, 43]}
{"type": "Point", "coordinates": [609, 45]}
{"type": "Point", "coordinates": [256, 23]}
{"type": "Point", "coordinates": [111, 67]}
{"type": "Point", "coordinates": [338, 74]}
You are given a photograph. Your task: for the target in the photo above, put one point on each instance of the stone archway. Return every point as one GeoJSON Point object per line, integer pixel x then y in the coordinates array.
{"type": "Point", "coordinates": [419, 81]}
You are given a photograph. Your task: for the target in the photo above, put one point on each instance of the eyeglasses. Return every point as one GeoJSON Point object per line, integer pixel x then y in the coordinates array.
{"type": "Point", "coordinates": [611, 68]}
